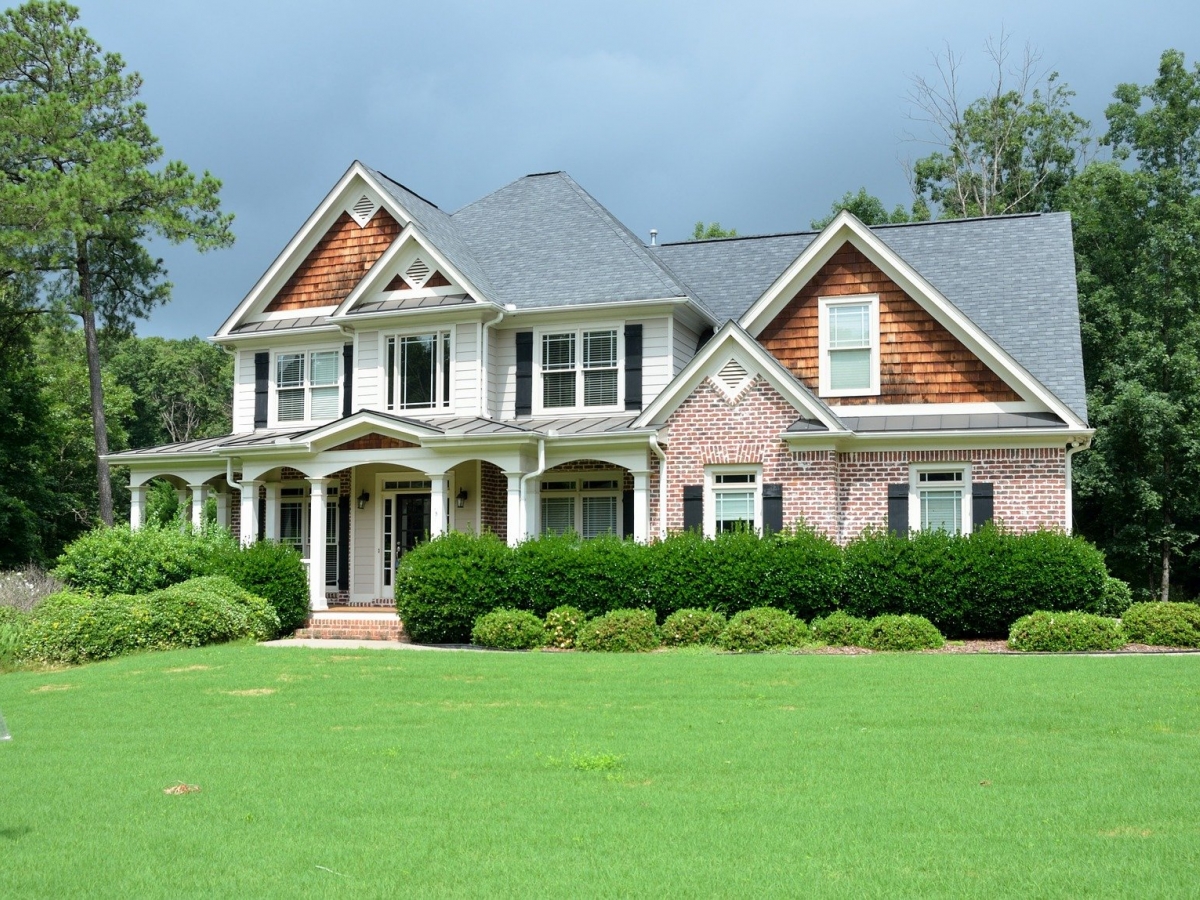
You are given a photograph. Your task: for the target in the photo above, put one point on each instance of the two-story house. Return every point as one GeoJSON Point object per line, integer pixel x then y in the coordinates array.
{"type": "Point", "coordinates": [527, 364]}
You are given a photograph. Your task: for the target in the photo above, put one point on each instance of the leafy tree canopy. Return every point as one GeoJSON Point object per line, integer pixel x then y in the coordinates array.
{"type": "Point", "coordinates": [710, 231]}
{"type": "Point", "coordinates": [866, 207]}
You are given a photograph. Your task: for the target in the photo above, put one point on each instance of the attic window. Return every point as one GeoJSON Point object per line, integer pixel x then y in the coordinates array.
{"type": "Point", "coordinates": [416, 273]}
{"type": "Point", "coordinates": [732, 378]}
{"type": "Point", "coordinates": [363, 209]}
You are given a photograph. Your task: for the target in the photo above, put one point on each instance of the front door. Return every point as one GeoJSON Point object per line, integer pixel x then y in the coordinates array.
{"type": "Point", "coordinates": [406, 522]}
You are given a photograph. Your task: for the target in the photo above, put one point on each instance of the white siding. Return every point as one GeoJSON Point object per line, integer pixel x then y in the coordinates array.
{"type": "Point", "coordinates": [466, 369]}
{"type": "Point", "coordinates": [502, 380]}
{"type": "Point", "coordinates": [685, 345]}
{"type": "Point", "coordinates": [363, 554]}
{"type": "Point", "coordinates": [367, 372]}
{"type": "Point", "coordinates": [243, 392]}
{"type": "Point", "coordinates": [656, 359]}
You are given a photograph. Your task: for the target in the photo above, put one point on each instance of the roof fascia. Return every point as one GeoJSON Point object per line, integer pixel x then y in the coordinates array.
{"type": "Point", "coordinates": [275, 335]}
{"type": "Point", "coordinates": [693, 373]}
{"type": "Point", "coordinates": [978, 439]}
{"type": "Point", "coordinates": [368, 419]}
{"type": "Point", "coordinates": [650, 304]}
{"type": "Point", "coordinates": [848, 228]}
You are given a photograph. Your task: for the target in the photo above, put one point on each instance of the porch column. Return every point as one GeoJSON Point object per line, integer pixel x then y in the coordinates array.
{"type": "Point", "coordinates": [516, 524]}
{"type": "Point", "coordinates": [223, 509]}
{"type": "Point", "coordinates": [532, 504]}
{"type": "Point", "coordinates": [199, 495]}
{"type": "Point", "coordinates": [249, 527]}
{"type": "Point", "coordinates": [316, 545]}
{"type": "Point", "coordinates": [437, 503]}
{"type": "Point", "coordinates": [641, 507]}
{"type": "Point", "coordinates": [137, 506]}
{"type": "Point", "coordinates": [271, 518]}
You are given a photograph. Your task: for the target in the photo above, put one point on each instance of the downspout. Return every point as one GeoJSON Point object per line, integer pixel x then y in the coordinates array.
{"type": "Point", "coordinates": [1072, 448]}
{"type": "Point", "coordinates": [483, 363]}
{"type": "Point", "coordinates": [662, 486]}
{"type": "Point", "coordinates": [541, 467]}
{"type": "Point", "coordinates": [229, 475]}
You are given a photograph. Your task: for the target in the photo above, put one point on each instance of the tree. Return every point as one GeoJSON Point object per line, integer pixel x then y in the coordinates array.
{"type": "Point", "coordinates": [866, 207]}
{"type": "Point", "coordinates": [1137, 218]}
{"type": "Point", "coordinates": [713, 230]}
{"type": "Point", "coordinates": [1010, 151]}
{"type": "Point", "coordinates": [81, 188]}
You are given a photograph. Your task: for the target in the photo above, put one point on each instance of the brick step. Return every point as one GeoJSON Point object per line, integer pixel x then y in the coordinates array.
{"type": "Point", "coordinates": [357, 626]}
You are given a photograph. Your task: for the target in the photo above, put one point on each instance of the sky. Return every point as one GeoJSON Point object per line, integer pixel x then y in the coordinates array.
{"type": "Point", "coordinates": [756, 115]}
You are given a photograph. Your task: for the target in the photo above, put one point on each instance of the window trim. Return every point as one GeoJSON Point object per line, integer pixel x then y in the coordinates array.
{"type": "Point", "coordinates": [579, 492]}
{"type": "Point", "coordinates": [442, 379]}
{"type": "Point", "coordinates": [539, 395]}
{"type": "Point", "coordinates": [824, 304]}
{"type": "Point", "coordinates": [712, 488]}
{"type": "Point", "coordinates": [914, 491]}
{"type": "Point", "coordinates": [307, 386]}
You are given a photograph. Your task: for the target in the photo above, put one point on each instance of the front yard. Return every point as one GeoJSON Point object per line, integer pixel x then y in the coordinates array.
{"type": "Point", "coordinates": [369, 773]}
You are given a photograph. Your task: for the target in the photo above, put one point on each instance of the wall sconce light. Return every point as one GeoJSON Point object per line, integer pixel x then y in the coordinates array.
{"type": "Point", "coordinates": [461, 498]}
{"type": "Point", "coordinates": [362, 499]}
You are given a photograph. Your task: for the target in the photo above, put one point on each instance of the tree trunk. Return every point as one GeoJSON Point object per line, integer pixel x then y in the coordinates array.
{"type": "Point", "coordinates": [87, 312]}
{"type": "Point", "coordinates": [1166, 571]}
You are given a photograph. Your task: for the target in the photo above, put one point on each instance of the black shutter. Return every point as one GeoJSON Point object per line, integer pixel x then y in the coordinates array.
{"type": "Point", "coordinates": [343, 551]}
{"type": "Point", "coordinates": [347, 379]}
{"type": "Point", "coordinates": [693, 506]}
{"type": "Point", "coordinates": [981, 504]}
{"type": "Point", "coordinates": [633, 367]}
{"type": "Point", "coordinates": [262, 519]}
{"type": "Point", "coordinates": [524, 373]}
{"type": "Point", "coordinates": [898, 508]}
{"type": "Point", "coordinates": [262, 387]}
{"type": "Point", "coordinates": [772, 508]}
{"type": "Point", "coordinates": [627, 514]}
{"type": "Point", "coordinates": [703, 336]}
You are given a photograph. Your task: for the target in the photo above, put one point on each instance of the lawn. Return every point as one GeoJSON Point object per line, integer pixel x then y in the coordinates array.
{"type": "Point", "coordinates": [386, 773]}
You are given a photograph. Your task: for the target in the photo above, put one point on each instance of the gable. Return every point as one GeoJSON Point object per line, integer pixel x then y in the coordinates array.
{"type": "Point", "coordinates": [374, 441]}
{"type": "Point", "coordinates": [337, 263]}
{"type": "Point", "coordinates": [920, 361]}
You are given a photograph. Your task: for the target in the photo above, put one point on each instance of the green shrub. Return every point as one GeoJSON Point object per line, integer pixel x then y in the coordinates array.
{"type": "Point", "coordinates": [621, 631]}
{"type": "Point", "coordinates": [444, 585]}
{"type": "Point", "coordinates": [840, 629]}
{"type": "Point", "coordinates": [274, 572]}
{"type": "Point", "coordinates": [687, 627]}
{"type": "Point", "coordinates": [763, 628]}
{"type": "Point", "coordinates": [509, 629]}
{"type": "Point", "coordinates": [596, 575]}
{"type": "Point", "coordinates": [563, 624]}
{"type": "Point", "coordinates": [1114, 599]}
{"type": "Point", "coordinates": [1061, 631]}
{"type": "Point", "coordinates": [1162, 624]}
{"type": "Point", "coordinates": [120, 561]}
{"type": "Point", "coordinates": [163, 509]}
{"type": "Point", "coordinates": [208, 610]}
{"type": "Point", "coordinates": [12, 631]}
{"type": "Point", "coordinates": [903, 632]}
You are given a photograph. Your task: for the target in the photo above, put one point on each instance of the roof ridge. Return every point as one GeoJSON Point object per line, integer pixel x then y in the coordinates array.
{"type": "Point", "coordinates": [405, 187]}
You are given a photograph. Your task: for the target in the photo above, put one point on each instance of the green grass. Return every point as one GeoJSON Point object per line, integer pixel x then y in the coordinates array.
{"type": "Point", "coordinates": [381, 774]}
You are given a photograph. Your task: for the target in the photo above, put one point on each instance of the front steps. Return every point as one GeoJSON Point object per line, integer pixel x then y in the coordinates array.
{"type": "Point", "coordinates": [373, 625]}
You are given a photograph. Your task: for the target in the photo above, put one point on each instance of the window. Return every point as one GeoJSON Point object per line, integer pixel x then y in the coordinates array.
{"type": "Point", "coordinates": [562, 373]}
{"type": "Point", "coordinates": [301, 399]}
{"type": "Point", "coordinates": [418, 371]}
{"type": "Point", "coordinates": [294, 506]}
{"type": "Point", "coordinates": [735, 499]}
{"type": "Point", "coordinates": [848, 333]}
{"type": "Point", "coordinates": [940, 499]}
{"type": "Point", "coordinates": [586, 506]}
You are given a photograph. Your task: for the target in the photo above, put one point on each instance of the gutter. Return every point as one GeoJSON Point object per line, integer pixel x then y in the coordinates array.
{"type": "Point", "coordinates": [541, 467]}
{"type": "Point", "coordinates": [1072, 448]}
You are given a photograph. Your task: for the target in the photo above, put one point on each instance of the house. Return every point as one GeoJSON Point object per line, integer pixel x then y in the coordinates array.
{"type": "Point", "coordinates": [527, 364]}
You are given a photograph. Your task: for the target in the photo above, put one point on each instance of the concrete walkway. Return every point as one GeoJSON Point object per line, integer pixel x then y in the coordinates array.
{"type": "Point", "coordinates": [352, 644]}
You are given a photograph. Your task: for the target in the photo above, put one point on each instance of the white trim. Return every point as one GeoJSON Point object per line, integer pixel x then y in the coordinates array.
{"type": "Point", "coordinates": [914, 491]}
{"type": "Point", "coordinates": [823, 367]}
{"type": "Point", "coordinates": [539, 410]}
{"type": "Point", "coordinates": [438, 409]}
{"type": "Point", "coordinates": [933, 440]}
{"type": "Point", "coordinates": [711, 489]}
{"type": "Point", "coordinates": [273, 420]}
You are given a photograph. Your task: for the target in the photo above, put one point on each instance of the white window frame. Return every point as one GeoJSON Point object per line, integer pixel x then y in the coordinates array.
{"type": "Point", "coordinates": [579, 492]}
{"type": "Point", "coordinates": [915, 488]}
{"type": "Point", "coordinates": [443, 405]}
{"type": "Point", "coordinates": [301, 496]}
{"type": "Point", "coordinates": [539, 395]}
{"type": "Point", "coordinates": [824, 304]}
{"type": "Point", "coordinates": [306, 386]}
{"type": "Point", "coordinates": [712, 487]}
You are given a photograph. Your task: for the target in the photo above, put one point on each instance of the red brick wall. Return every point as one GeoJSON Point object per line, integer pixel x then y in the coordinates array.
{"type": "Point", "coordinates": [493, 500]}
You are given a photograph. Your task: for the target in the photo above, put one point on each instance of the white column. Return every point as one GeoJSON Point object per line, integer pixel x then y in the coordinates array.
{"type": "Point", "coordinates": [516, 524]}
{"type": "Point", "coordinates": [137, 506]}
{"type": "Point", "coordinates": [641, 507]}
{"type": "Point", "coordinates": [271, 519]}
{"type": "Point", "coordinates": [223, 509]}
{"type": "Point", "coordinates": [531, 505]}
{"type": "Point", "coordinates": [437, 503]}
{"type": "Point", "coordinates": [249, 527]}
{"type": "Point", "coordinates": [199, 495]}
{"type": "Point", "coordinates": [316, 545]}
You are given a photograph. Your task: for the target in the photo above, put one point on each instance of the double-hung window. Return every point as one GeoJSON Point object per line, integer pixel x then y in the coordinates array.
{"type": "Point", "coordinates": [418, 371]}
{"type": "Point", "coordinates": [294, 531]}
{"type": "Point", "coordinates": [587, 506]}
{"type": "Point", "coordinates": [736, 499]}
{"type": "Point", "coordinates": [307, 386]}
{"type": "Point", "coordinates": [940, 499]}
{"type": "Point", "coordinates": [579, 363]}
{"type": "Point", "coordinates": [848, 335]}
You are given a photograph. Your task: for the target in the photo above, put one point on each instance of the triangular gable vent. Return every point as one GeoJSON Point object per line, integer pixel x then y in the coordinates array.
{"type": "Point", "coordinates": [363, 209]}
{"type": "Point", "coordinates": [732, 379]}
{"type": "Point", "coordinates": [416, 273]}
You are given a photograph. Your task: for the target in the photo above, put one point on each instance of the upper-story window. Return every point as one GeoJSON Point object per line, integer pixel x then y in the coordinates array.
{"type": "Point", "coordinates": [579, 364]}
{"type": "Point", "coordinates": [418, 371]}
{"type": "Point", "coordinates": [307, 386]}
{"type": "Point", "coordinates": [848, 334]}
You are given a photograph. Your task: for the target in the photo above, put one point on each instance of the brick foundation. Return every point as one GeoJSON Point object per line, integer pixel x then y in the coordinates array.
{"type": "Point", "coordinates": [354, 626]}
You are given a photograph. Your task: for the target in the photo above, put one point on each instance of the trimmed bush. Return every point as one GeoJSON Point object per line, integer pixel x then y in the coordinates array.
{"type": "Point", "coordinates": [1115, 598]}
{"type": "Point", "coordinates": [509, 629]}
{"type": "Point", "coordinates": [763, 628]}
{"type": "Point", "coordinates": [597, 575]}
{"type": "Point", "coordinates": [1163, 624]}
{"type": "Point", "coordinates": [442, 586]}
{"type": "Point", "coordinates": [688, 627]}
{"type": "Point", "coordinates": [563, 624]}
{"type": "Point", "coordinates": [620, 631]}
{"type": "Point", "coordinates": [1062, 631]}
{"type": "Point", "coordinates": [275, 573]}
{"type": "Point", "coordinates": [840, 629]}
{"type": "Point", "coordinates": [903, 632]}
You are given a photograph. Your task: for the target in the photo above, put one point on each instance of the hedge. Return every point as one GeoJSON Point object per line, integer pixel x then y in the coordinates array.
{"type": "Point", "coordinates": [1064, 631]}
{"type": "Point", "coordinates": [1163, 624]}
